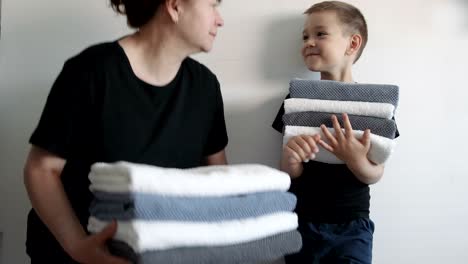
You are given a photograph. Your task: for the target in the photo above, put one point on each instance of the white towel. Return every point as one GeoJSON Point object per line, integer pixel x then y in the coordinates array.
{"type": "Point", "coordinates": [122, 177]}
{"type": "Point", "coordinates": [158, 235]}
{"type": "Point", "coordinates": [382, 110]}
{"type": "Point", "coordinates": [380, 150]}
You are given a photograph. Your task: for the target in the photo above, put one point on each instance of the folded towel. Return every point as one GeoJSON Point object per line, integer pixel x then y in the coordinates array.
{"type": "Point", "coordinates": [130, 206]}
{"type": "Point", "coordinates": [378, 126]}
{"type": "Point", "coordinates": [382, 110]}
{"type": "Point", "coordinates": [201, 181]}
{"type": "Point", "coordinates": [380, 150]}
{"type": "Point", "coordinates": [333, 90]}
{"type": "Point", "coordinates": [143, 235]}
{"type": "Point", "coordinates": [263, 250]}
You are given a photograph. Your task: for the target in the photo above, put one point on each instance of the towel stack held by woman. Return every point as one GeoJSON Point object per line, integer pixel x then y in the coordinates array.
{"type": "Point", "coordinates": [213, 214]}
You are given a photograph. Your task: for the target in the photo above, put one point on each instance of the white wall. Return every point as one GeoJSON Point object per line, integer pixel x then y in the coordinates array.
{"type": "Point", "coordinates": [419, 207]}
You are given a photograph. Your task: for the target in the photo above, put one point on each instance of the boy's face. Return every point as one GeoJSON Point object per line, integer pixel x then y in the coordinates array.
{"type": "Point", "coordinates": [325, 43]}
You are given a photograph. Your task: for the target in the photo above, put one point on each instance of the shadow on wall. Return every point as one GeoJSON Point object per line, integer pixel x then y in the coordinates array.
{"type": "Point", "coordinates": [464, 6]}
{"type": "Point", "coordinates": [251, 137]}
{"type": "Point", "coordinates": [281, 56]}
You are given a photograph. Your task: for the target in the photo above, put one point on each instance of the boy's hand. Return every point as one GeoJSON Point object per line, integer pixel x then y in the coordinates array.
{"type": "Point", "coordinates": [345, 145]}
{"type": "Point", "coordinates": [301, 149]}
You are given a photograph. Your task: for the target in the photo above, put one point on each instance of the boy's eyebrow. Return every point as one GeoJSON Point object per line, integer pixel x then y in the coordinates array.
{"type": "Point", "coordinates": [319, 27]}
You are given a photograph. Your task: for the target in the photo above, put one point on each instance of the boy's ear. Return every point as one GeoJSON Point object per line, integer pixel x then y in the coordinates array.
{"type": "Point", "coordinates": [173, 9]}
{"type": "Point", "coordinates": [355, 44]}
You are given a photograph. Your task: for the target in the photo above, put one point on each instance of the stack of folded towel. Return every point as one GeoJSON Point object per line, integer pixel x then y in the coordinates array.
{"type": "Point", "coordinates": [369, 106]}
{"type": "Point", "coordinates": [213, 214]}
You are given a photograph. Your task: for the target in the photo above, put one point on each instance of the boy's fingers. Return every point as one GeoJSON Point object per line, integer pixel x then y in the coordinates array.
{"type": "Point", "coordinates": [292, 156]}
{"type": "Point", "coordinates": [366, 138]}
{"type": "Point", "coordinates": [328, 135]}
{"type": "Point", "coordinates": [303, 142]}
{"type": "Point", "coordinates": [347, 125]}
{"type": "Point", "coordinates": [316, 137]}
{"type": "Point", "coordinates": [311, 144]}
{"type": "Point", "coordinates": [301, 155]}
{"type": "Point", "coordinates": [337, 127]}
{"type": "Point", "coordinates": [326, 146]}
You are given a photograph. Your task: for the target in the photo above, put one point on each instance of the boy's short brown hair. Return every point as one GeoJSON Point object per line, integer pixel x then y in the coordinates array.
{"type": "Point", "coordinates": [349, 16]}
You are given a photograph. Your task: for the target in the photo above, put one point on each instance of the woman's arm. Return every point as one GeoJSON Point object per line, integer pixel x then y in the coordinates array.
{"type": "Point", "coordinates": [42, 180]}
{"type": "Point", "coordinates": [218, 158]}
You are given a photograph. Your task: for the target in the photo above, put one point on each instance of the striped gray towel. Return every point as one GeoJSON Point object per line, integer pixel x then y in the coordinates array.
{"type": "Point", "coordinates": [340, 91]}
{"type": "Point", "coordinates": [379, 126]}
{"type": "Point", "coordinates": [267, 249]}
{"type": "Point", "coordinates": [133, 206]}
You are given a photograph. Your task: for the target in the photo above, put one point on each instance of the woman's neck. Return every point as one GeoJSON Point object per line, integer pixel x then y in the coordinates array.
{"type": "Point", "coordinates": [154, 54]}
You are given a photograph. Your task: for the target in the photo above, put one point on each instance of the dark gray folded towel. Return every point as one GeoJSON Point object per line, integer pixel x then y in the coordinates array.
{"type": "Point", "coordinates": [378, 126]}
{"type": "Point", "coordinates": [131, 206]}
{"type": "Point", "coordinates": [267, 249]}
{"type": "Point", "coordinates": [340, 91]}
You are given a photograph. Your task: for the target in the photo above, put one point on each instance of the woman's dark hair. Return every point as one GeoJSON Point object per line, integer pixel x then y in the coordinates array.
{"type": "Point", "coordinates": [138, 12]}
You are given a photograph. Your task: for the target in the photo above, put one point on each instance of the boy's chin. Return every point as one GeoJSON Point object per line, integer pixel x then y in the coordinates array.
{"type": "Point", "coordinates": [313, 68]}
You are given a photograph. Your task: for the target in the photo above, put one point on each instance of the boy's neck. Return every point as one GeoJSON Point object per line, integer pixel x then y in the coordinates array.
{"type": "Point", "coordinates": [345, 76]}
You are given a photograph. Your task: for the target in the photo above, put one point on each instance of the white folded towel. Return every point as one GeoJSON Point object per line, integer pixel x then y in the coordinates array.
{"type": "Point", "coordinates": [158, 235]}
{"type": "Point", "coordinates": [380, 150]}
{"type": "Point", "coordinates": [122, 177]}
{"type": "Point", "coordinates": [382, 110]}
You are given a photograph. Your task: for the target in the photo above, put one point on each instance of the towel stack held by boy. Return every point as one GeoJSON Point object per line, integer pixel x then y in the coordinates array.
{"type": "Point", "coordinates": [369, 106]}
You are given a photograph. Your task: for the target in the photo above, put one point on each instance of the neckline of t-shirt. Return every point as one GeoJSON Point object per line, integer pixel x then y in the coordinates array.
{"type": "Point", "coordinates": [142, 82]}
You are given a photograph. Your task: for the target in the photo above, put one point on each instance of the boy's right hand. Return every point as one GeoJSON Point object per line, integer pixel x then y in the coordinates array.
{"type": "Point", "coordinates": [93, 249]}
{"type": "Point", "coordinates": [301, 148]}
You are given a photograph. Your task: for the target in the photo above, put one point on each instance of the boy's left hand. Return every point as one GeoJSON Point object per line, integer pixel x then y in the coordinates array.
{"type": "Point", "coordinates": [346, 146]}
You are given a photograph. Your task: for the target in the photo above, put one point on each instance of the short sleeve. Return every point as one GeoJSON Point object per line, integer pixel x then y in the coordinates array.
{"type": "Point", "coordinates": [217, 137]}
{"type": "Point", "coordinates": [278, 124]}
{"type": "Point", "coordinates": [64, 120]}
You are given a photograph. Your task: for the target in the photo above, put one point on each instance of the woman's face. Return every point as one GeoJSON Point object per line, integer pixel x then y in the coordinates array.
{"type": "Point", "coordinates": [199, 21]}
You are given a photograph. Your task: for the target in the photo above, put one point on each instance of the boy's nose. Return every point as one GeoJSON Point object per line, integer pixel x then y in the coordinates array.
{"type": "Point", "coordinates": [310, 43]}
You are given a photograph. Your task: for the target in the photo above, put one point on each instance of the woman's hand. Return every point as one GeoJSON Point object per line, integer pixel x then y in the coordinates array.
{"type": "Point", "coordinates": [93, 250]}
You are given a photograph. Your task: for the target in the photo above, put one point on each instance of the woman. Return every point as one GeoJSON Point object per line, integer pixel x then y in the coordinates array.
{"type": "Point", "coordinates": [139, 99]}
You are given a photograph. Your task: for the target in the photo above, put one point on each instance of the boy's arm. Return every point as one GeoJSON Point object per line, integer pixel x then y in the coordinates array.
{"type": "Point", "coordinates": [294, 169]}
{"type": "Point", "coordinates": [366, 171]}
{"type": "Point", "coordinates": [352, 151]}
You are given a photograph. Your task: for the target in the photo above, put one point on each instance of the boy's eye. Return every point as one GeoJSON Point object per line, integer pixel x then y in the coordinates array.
{"type": "Point", "coordinates": [305, 37]}
{"type": "Point", "coordinates": [321, 34]}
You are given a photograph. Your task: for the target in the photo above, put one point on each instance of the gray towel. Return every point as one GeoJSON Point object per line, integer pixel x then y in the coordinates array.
{"type": "Point", "coordinates": [340, 91]}
{"type": "Point", "coordinates": [131, 206]}
{"type": "Point", "coordinates": [267, 249]}
{"type": "Point", "coordinates": [378, 126]}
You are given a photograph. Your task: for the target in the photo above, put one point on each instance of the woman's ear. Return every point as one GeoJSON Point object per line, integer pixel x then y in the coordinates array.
{"type": "Point", "coordinates": [173, 9]}
{"type": "Point", "coordinates": [354, 44]}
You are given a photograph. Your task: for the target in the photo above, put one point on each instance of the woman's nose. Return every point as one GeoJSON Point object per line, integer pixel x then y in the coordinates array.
{"type": "Point", "coordinates": [219, 20]}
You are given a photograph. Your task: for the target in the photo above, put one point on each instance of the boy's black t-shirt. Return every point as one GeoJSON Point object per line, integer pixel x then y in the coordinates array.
{"type": "Point", "coordinates": [98, 110]}
{"type": "Point", "coordinates": [327, 193]}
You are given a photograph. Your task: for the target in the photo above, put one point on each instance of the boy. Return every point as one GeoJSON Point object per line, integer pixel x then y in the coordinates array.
{"type": "Point", "coordinates": [333, 199]}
